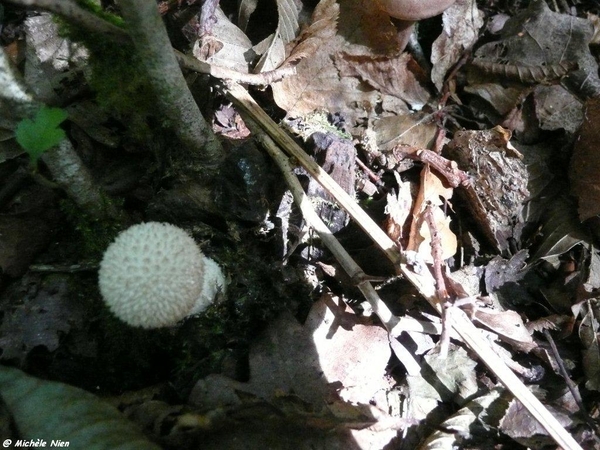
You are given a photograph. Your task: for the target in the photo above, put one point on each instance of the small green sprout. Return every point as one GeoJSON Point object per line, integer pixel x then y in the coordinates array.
{"type": "Point", "coordinates": [42, 133]}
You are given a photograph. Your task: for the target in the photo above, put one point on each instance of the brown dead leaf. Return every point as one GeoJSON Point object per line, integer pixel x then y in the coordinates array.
{"type": "Point", "coordinates": [556, 109]}
{"type": "Point", "coordinates": [27, 229]}
{"type": "Point", "coordinates": [322, 27]}
{"type": "Point", "coordinates": [585, 163]}
{"type": "Point", "coordinates": [499, 181]}
{"type": "Point", "coordinates": [41, 318]}
{"type": "Point", "coordinates": [416, 130]}
{"type": "Point", "coordinates": [538, 39]}
{"type": "Point", "coordinates": [287, 28]}
{"type": "Point", "coordinates": [398, 76]}
{"type": "Point", "coordinates": [363, 32]}
{"type": "Point", "coordinates": [332, 349]}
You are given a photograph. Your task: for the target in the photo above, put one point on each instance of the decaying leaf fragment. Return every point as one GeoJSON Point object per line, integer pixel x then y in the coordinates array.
{"type": "Point", "coordinates": [589, 333]}
{"type": "Point", "coordinates": [585, 163]}
{"type": "Point", "coordinates": [499, 181]}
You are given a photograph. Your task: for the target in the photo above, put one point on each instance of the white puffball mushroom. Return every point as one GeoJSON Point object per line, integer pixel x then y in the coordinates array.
{"type": "Point", "coordinates": [154, 275]}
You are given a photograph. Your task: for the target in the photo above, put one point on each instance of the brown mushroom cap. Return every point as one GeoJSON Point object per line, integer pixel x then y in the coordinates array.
{"type": "Point", "coordinates": [414, 9]}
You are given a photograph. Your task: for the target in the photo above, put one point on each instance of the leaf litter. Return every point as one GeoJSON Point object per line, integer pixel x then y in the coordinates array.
{"type": "Point", "coordinates": [534, 268]}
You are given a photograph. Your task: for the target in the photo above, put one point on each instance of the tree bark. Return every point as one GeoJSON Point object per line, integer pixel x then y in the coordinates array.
{"type": "Point", "coordinates": [174, 98]}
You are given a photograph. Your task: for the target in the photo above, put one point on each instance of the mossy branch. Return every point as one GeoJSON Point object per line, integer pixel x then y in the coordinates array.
{"type": "Point", "coordinates": [174, 98]}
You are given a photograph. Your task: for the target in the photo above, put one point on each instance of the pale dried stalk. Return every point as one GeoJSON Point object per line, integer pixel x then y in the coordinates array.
{"type": "Point", "coordinates": [353, 270]}
{"type": "Point", "coordinates": [424, 282]}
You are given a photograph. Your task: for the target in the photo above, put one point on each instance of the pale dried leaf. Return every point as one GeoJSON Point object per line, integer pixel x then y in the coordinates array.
{"type": "Point", "coordinates": [556, 109]}
{"type": "Point", "coordinates": [414, 129]}
{"type": "Point", "coordinates": [553, 322]}
{"type": "Point", "coordinates": [287, 29]}
{"type": "Point", "coordinates": [442, 379]}
{"type": "Point", "coordinates": [331, 347]}
{"type": "Point", "coordinates": [509, 326]}
{"type": "Point", "coordinates": [592, 281]}
{"type": "Point", "coordinates": [561, 230]}
{"type": "Point", "coordinates": [273, 56]}
{"type": "Point", "coordinates": [353, 354]}
{"type": "Point", "coordinates": [50, 59]}
{"type": "Point", "coordinates": [323, 27]}
{"type": "Point", "coordinates": [537, 39]}
{"type": "Point", "coordinates": [519, 424]}
{"type": "Point", "coordinates": [502, 99]}
{"type": "Point", "coordinates": [227, 46]}
{"type": "Point", "coordinates": [461, 24]}
{"type": "Point", "coordinates": [499, 181]}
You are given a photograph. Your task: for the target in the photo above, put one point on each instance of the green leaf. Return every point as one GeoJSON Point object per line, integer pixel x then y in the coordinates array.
{"type": "Point", "coordinates": [55, 411]}
{"type": "Point", "coordinates": [38, 135]}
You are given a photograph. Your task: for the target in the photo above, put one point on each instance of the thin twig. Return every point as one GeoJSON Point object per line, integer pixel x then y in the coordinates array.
{"type": "Point", "coordinates": [563, 371]}
{"type": "Point", "coordinates": [445, 167]}
{"type": "Point", "coordinates": [442, 292]}
{"type": "Point", "coordinates": [353, 270]}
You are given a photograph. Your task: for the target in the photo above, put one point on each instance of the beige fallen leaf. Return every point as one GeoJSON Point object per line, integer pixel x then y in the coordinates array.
{"type": "Point", "coordinates": [508, 325]}
{"type": "Point", "coordinates": [461, 25]}
{"type": "Point", "coordinates": [520, 425]}
{"type": "Point", "coordinates": [287, 29]}
{"type": "Point", "coordinates": [227, 46]}
{"type": "Point", "coordinates": [416, 130]}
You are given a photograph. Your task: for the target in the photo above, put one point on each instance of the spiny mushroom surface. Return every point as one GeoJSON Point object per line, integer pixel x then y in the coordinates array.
{"type": "Point", "coordinates": [154, 275]}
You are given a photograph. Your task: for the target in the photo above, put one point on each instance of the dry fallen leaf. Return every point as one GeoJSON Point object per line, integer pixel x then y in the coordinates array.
{"type": "Point", "coordinates": [328, 81]}
{"type": "Point", "coordinates": [332, 351]}
{"type": "Point", "coordinates": [227, 46]}
{"type": "Point", "coordinates": [287, 28]}
{"type": "Point", "coordinates": [461, 24]}
{"type": "Point", "coordinates": [398, 76]}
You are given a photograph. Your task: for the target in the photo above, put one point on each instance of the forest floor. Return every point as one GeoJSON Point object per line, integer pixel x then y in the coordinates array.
{"type": "Point", "coordinates": [460, 181]}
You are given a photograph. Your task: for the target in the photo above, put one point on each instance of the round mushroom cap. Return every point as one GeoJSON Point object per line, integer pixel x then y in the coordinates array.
{"type": "Point", "coordinates": [414, 10]}
{"type": "Point", "coordinates": [152, 275]}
